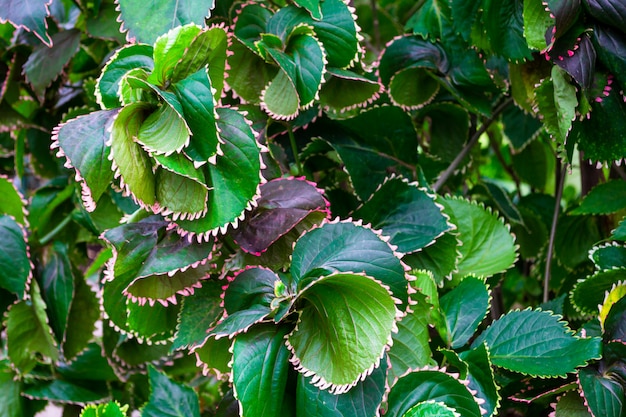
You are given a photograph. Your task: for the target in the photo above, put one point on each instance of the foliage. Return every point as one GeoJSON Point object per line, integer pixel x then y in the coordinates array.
{"type": "Point", "coordinates": [313, 208]}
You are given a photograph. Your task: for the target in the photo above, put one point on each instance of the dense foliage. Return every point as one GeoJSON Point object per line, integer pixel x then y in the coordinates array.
{"type": "Point", "coordinates": [313, 208]}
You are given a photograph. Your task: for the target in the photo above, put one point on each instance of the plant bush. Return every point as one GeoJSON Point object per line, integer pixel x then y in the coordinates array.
{"type": "Point", "coordinates": [313, 208]}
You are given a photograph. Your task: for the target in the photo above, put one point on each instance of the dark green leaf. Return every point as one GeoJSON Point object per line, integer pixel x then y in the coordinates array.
{"type": "Point", "coordinates": [448, 130]}
{"type": "Point", "coordinates": [11, 403]}
{"type": "Point", "coordinates": [199, 313]}
{"type": "Point", "coordinates": [28, 15]}
{"type": "Point", "coordinates": [345, 90]}
{"type": "Point", "coordinates": [614, 324]}
{"type": "Point", "coordinates": [168, 398]}
{"type": "Point", "coordinates": [250, 287]}
{"type": "Point", "coordinates": [441, 258]}
{"type": "Point", "coordinates": [571, 404]}
{"type": "Point", "coordinates": [538, 174]}
{"type": "Point", "coordinates": [215, 355]}
{"type": "Point", "coordinates": [520, 335]}
{"type": "Point", "coordinates": [604, 396]}
{"type": "Point", "coordinates": [575, 236]}
{"type": "Point", "coordinates": [608, 256]}
{"type": "Point", "coordinates": [605, 198]}
{"type": "Point", "coordinates": [590, 292]}
{"type": "Point", "coordinates": [481, 377]}
{"type": "Point", "coordinates": [15, 266]}
{"type": "Point", "coordinates": [505, 28]}
{"type": "Point", "coordinates": [57, 286]}
{"type": "Point", "coordinates": [260, 367]}
{"type": "Point", "coordinates": [464, 308]}
{"type": "Point", "coordinates": [67, 392]}
{"type": "Point", "coordinates": [240, 321]}
{"type": "Point", "coordinates": [519, 126]}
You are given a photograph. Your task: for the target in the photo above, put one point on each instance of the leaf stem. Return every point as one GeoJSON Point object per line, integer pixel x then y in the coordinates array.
{"type": "Point", "coordinates": [294, 149]}
{"type": "Point", "coordinates": [47, 238]}
{"type": "Point", "coordinates": [470, 144]}
{"type": "Point", "coordinates": [555, 218]}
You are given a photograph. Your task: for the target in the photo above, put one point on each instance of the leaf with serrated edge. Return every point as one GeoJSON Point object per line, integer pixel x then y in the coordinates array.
{"type": "Point", "coordinates": [30, 16]}
{"type": "Point", "coordinates": [520, 335]}
{"type": "Point", "coordinates": [260, 367]}
{"type": "Point", "coordinates": [481, 378]}
{"type": "Point", "coordinates": [571, 404]}
{"type": "Point", "coordinates": [199, 312]}
{"type": "Point", "coordinates": [214, 356]}
{"type": "Point", "coordinates": [179, 195]}
{"type": "Point", "coordinates": [280, 98]}
{"type": "Point", "coordinates": [431, 408]}
{"type": "Point", "coordinates": [588, 293]}
{"type": "Point", "coordinates": [165, 287]}
{"type": "Point", "coordinates": [168, 398]}
{"type": "Point", "coordinates": [67, 392]}
{"type": "Point", "coordinates": [15, 265]}
{"type": "Point", "coordinates": [12, 203]}
{"type": "Point", "coordinates": [164, 131]}
{"type": "Point", "coordinates": [440, 258]}
{"type": "Point", "coordinates": [57, 286]}
{"type": "Point", "coordinates": [346, 90]}
{"type": "Point", "coordinates": [169, 49]}
{"type": "Point", "coordinates": [110, 409]}
{"type": "Point", "coordinates": [433, 385]}
{"type": "Point", "coordinates": [605, 198]}
{"type": "Point", "coordinates": [608, 256]}
{"type": "Point", "coordinates": [11, 402]}
{"type": "Point", "coordinates": [604, 396]}
{"type": "Point", "coordinates": [338, 359]}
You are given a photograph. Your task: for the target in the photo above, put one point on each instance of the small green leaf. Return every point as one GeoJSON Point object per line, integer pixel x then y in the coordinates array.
{"type": "Point", "coordinates": [518, 336]}
{"type": "Point", "coordinates": [240, 321]}
{"type": "Point", "coordinates": [605, 198]}
{"type": "Point", "coordinates": [440, 258]}
{"type": "Point", "coordinates": [260, 367]}
{"type": "Point", "coordinates": [608, 256]}
{"type": "Point", "coordinates": [280, 99]}
{"type": "Point", "coordinates": [168, 398]}
{"type": "Point", "coordinates": [200, 311]}
{"type": "Point", "coordinates": [589, 293]}
{"type": "Point", "coordinates": [83, 315]}
{"type": "Point", "coordinates": [130, 57]}
{"type": "Point", "coordinates": [110, 409]}
{"type": "Point", "coordinates": [571, 404]}
{"type": "Point", "coordinates": [432, 385]}
{"type": "Point", "coordinates": [604, 396]}
{"type": "Point", "coordinates": [12, 203]}
{"type": "Point", "coordinates": [180, 195]}
{"type": "Point", "coordinates": [431, 408]}
{"type": "Point", "coordinates": [537, 21]}
{"type": "Point", "coordinates": [520, 126]}
{"type": "Point", "coordinates": [556, 100]}
{"type": "Point", "coordinates": [29, 16]}
{"type": "Point", "coordinates": [15, 266]}
{"type": "Point", "coordinates": [28, 336]}
{"type": "Point", "coordinates": [487, 245]}
{"type": "Point", "coordinates": [481, 377]}
{"type": "Point", "coordinates": [132, 162]}
{"type": "Point", "coordinates": [169, 49]}
{"type": "Point", "coordinates": [89, 158]}
{"type": "Point", "coordinates": [145, 22]}
{"type": "Point", "coordinates": [464, 308]}
{"type": "Point", "coordinates": [57, 286]}
{"type": "Point", "coordinates": [166, 286]}
{"type": "Point", "coordinates": [164, 131]}
{"type": "Point", "coordinates": [312, 6]}
{"type": "Point", "coordinates": [345, 90]}
{"type": "Point", "coordinates": [46, 63]}
{"type": "Point", "coordinates": [11, 402]}
{"type": "Point", "coordinates": [337, 346]}
{"type": "Point", "coordinates": [250, 287]}
{"type": "Point", "coordinates": [248, 74]}
{"type": "Point", "coordinates": [413, 221]}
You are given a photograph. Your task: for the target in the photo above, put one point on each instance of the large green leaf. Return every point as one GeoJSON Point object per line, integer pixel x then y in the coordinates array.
{"type": "Point", "coordinates": [412, 221]}
{"type": "Point", "coordinates": [46, 63]}
{"type": "Point", "coordinates": [89, 158]}
{"type": "Point", "coordinates": [12, 203]}
{"type": "Point", "coordinates": [169, 399]}
{"type": "Point", "coordinates": [605, 198]}
{"type": "Point", "coordinates": [145, 22]}
{"type": "Point", "coordinates": [431, 385]}
{"type": "Point", "coordinates": [363, 400]}
{"type": "Point", "coordinates": [199, 312]}
{"type": "Point", "coordinates": [535, 342]}
{"type": "Point", "coordinates": [57, 285]}
{"type": "Point", "coordinates": [234, 179]}
{"type": "Point", "coordinates": [131, 162]}
{"type": "Point", "coordinates": [130, 57]}
{"type": "Point", "coordinates": [29, 338]}
{"type": "Point", "coordinates": [487, 245]}
{"type": "Point", "coordinates": [347, 247]}
{"type": "Point", "coordinates": [15, 265]}
{"type": "Point", "coordinates": [464, 308]}
{"type": "Point", "coordinates": [340, 345]}
{"type": "Point", "coordinates": [30, 16]}
{"type": "Point", "coordinates": [604, 396]}
{"type": "Point", "coordinates": [260, 366]}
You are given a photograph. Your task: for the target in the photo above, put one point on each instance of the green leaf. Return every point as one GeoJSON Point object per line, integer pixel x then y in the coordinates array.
{"type": "Point", "coordinates": [28, 336]}
{"type": "Point", "coordinates": [605, 198]}
{"type": "Point", "coordinates": [556, 101]}
{"type": "Point", "coordinates": [15, 266]}
{"type": "Point", "coordinates": [537, 21]}
{"type": "Point", "coordinates": [248, 74]}
{"type": "Point", "coordinates": [487, 245]}
{"type": "Point", "coordinates": [198, 104]}
{"type": "Point", "coordinates": [604, 396]}
{"type": "Point", "coordinates": [347, 247]}
{"type": "Point", "coordinates": [132, 163]}
{"type": "Point", "coordinates": [575, 236]}
{"type": "Point", "coordinates": [280, 99]}
{"type": "Point", "coordinates": [169, 49]}
{"type": "Point", "coordinates": [57, 285]}
{"type": "Point", "coordinates": [168, 398]}
{"type": "Point", "coordinates": [200, 311]}
{"type": "Point", "coordinates": [235, 177]}
{"type": "Point", "coordinates": [12, 203]}
{"type": "Point", "coordinates": [363, 400]}
{"type": "Point", "coordinates": [125, 59]}
{"type": "Point", "coordinates": [89, 158]}
{"type": "Point", "coordinates": [338, 346]}
{"type": "Point", "coordinates": [589, 293]}
{"type": "Point", "coordinates": [537, 343]}
{"type": "Point", "coordinates": [260, 367]}
{"type": "Point", "coordinates": [481, 377]}
{"type": "Point", "coordinates": [344, 90]}
{"type": "Point", "coordinates": [571, 404]}
{"type": "Point", "coordinates": [249, 288]}
{"type": "Point", "coordinates": [440, 258]}
{"type": "Point", "coordinates": [608, 256]}
{"type": "Point", "coordinates": [464, 308]}
{"type": "Point", "coordinates": [431, 385]}
{"type": "Point", "coordinates": [448, 129]}
{"type": "Point", "coordinates": [412, 222]}
{"type": "Point", "coordinates": [520, 127]}
{"type": "Point", "coordinates": [215, 355]}
{"type": "Point", "coordinates": [46, 63]}
{"type": "Point", "coordinates": [503, 23]}
{"type": "Point", "coordinates": [180, 195]}
{"type": "Point", "coordinates": [431, 408]}
{"type": "Point", "coordinates": [312, 6]}
{"type": "Point", "coordinates": [146, 22]}
{"type": "Point", "coordinates": [164, 131]}
{"type": "Point", "coordinates": [11, 402]}
{"type": "Point", "coordinates": [29, 16]}
{"type": "Point", "coordinates": [178, 163]}
{"type": "Point", "coordinates": [110, 409]}
{"type": "Point", "coordinates": [83, 315]}
{"type": "Point", "coordinates": [67, 392]}
{"type": "Point", "coordinates": [240, 321]}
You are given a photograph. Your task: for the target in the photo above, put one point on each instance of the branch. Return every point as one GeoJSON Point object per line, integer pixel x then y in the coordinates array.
{"type": "Point", "coordinates": [555, 218]}
{"type": "Point", "coordinates": [468, 147]}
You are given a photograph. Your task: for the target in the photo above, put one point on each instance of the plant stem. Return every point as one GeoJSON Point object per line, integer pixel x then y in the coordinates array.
{"type": "Point", "coordinates": [294, 149]}
{"type": "Point", "coordinates": [468, 147]}
{"type": "Point", "coordinates": [555, 218]}
{"type": "Point", "coordinates": [47, 238]}
{"type": "Point", "coordinates": [375, 24]}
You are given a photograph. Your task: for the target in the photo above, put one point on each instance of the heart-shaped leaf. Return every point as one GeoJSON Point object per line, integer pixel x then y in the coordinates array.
{"type": "Point", "coordinates": [89, 158]}
{"type": "Point", "coordinates": [337, 359]}
{"type": "Point", "coordinates": [520, 335]}
{"type": "Point", "coordinates": [15, 265]}
{"type": "Point", "coordinates": [464, 308]}
{"type": "Point", "coordinates": [260, 367]}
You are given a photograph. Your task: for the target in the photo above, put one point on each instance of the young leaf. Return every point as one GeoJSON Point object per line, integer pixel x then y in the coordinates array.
{"type": "Point", "coordinates": [431, 408]}
{"type": "Point", "coordinates": [518, 336]}
{"type": "Point", "coordinates": [464, 308]}
{"type": "Point", "coordinates": [347, 247]}
{"type": "Point", "coordinates": [260, 366]}
{"type": "Point", "coordinates": [168, 398]}
{"type": "Point", "coordinates": [145, 23]}
{"type": "Point", "coordinates": [431, 385]}
{"type": "Point", "coordinates": [89, 158]}
{"type": "Point", "coordinates": [164, 131]}
{"type": "Point", "coordinates": [110, 409]}
{"type": "Point", "coordinates": [334, 345]}
{"type": "Point", "coordinates": [169, 49]}
{"type": "Point", "coordinates": [604, 396]}
{"type": "Point", "coordinates": [15, 265]}
{"type": "Point", "coordinates": [487, 245]}
{"type": "Point", "coordinates": [413, 221]}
